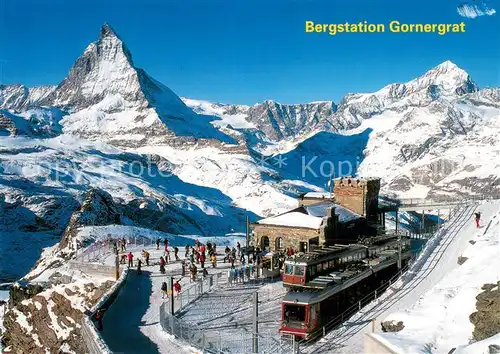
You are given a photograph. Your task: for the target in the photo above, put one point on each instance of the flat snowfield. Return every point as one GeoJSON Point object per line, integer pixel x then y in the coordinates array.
{"type": "Point", "coordinates": [437, 295]}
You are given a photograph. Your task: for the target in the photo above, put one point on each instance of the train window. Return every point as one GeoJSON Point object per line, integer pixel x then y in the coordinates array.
{"type": "Point", "coordinates": [325, 265]}
{"type": "Point", "coordinates": [299, 270]}
{"type": "Point", "coordinates": [294, 313]}
{"type": "Point", "coordinates": [288, 269]}
{"type": "Point", "coordinates": [311, 270]}
{"type": "Point", "coordinates": [319, 268]}
{"type": "Point", "coordinates": [331, 264]}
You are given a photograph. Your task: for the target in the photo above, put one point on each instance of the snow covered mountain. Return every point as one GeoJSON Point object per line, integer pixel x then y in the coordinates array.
{"type": "Point", "coordinates": [434, 136]}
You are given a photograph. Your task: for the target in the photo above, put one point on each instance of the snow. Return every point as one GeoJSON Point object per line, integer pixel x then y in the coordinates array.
{"type": "Point", "coordinates": [320, 210]}
{"type": "Point", "coordinates": [319, 195]}
{"type": "Point", "coordinates": [480, 347]}
{"type": "Point", "coordinates": [437, 260]}
{"type": "Point", "coordinates": [440, 318]}
{"type": "Point", "coordinates": [294, 219]}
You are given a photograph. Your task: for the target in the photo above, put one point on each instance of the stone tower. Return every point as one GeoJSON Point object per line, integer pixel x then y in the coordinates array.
{"type": "Point", "coordinates": [359, 195]}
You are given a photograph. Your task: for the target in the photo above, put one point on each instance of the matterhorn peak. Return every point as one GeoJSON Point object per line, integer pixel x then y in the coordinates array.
{"type": "Point", "coordinates": [108, 31]}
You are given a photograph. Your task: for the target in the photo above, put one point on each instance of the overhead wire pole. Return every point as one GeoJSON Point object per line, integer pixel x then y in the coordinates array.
{"type": "Point", "coordinates": [246, 232]}
{"type": "Point", "coordinates": [255, 337]}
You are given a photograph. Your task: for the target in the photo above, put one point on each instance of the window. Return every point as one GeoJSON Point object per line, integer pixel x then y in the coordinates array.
{"type": "Point", "coordinates": [264, 243]}
{"type": "Point", "coordinates": [294, 313]}
{"type": "Point", "coordinates": [319, 268]}
{"type": "Point", "coordinates": [288, 269]}
{"type": "Point", "coordinates": [279, 243]}
{"type": "Point", "coordinates": [312, 271]}
{"type": "Point", "coordinates": [331, 264]}
{"type": "Point", "coordinates": [299, 270]}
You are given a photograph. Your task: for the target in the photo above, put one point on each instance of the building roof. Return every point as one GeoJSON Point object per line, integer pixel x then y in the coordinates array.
{"type": "Point", "coordinates": [319, 195]}
{"type": "Point", "coordinates": [320, 209]}
{"type": "Point", "coordinates": [294, 219]}
{"type": "Point", "coordinates": [310, 216]}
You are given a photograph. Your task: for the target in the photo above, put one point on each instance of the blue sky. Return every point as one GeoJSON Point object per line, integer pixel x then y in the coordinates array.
{"type": "Point", "coordinates": [238, 51]}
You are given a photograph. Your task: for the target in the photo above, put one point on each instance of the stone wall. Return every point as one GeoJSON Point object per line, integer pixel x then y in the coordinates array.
{"type": "Point", "coordinates": [291, 236]}
{"type": "Point", "coordinates": [358, 195]}
{"type": "Point", "coordinates": [374, 343]}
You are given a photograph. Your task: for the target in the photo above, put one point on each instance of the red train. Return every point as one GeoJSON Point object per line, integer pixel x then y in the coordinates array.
{"type": "Point", "coordinates": [324, 283]}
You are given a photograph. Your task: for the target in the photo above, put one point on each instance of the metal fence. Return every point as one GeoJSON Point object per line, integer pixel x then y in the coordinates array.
{"type": "Point", "coordinates": [194, 291]}
{"type": "Point", "coordinates": [209, 341]}
{"type": "Point", "coordinates": [93, 252]}
{"type": "Point", "coordinates": [98, 249]}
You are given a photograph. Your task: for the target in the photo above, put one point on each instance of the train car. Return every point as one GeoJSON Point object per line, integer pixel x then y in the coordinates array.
{"type": "Point", "coordinates": [312, 270]}
{"type": "Point", "coordinates": [314, 300]}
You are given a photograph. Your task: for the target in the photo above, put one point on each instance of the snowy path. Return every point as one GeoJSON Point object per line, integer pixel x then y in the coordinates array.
{"type": "Point", "coordinates": [131, 325]}
{"type": "Point", "coordinates": [349, 338]}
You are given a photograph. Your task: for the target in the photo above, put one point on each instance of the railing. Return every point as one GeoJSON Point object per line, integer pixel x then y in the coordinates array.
{"type": "Point", "coordinates": [209, 341]}
{"type": "Point", "coordinates": [193, 292]}
{"type": "Point", "coordinates": [93, 252]}
{"type": "Point", "coordinates": [96, 250]}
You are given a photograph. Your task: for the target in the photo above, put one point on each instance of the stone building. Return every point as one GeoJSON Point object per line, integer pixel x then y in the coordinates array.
{"type": "Point", "coordinates": [323, 219]}
{"type": "Point", "coordinates": [359, 195]}
{"type": "Point", "coordinates": [308, 226]}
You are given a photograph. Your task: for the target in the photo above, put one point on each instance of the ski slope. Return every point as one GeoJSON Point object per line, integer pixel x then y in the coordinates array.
{"type": "Point", "coordinates": [438, 259]}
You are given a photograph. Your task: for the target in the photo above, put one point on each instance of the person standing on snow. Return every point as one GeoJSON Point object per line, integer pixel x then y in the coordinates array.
{"type": "Point", "coordinates": [139, 263]}
{"type": "Point", "coordinates": [158, 244]}
{"type": "Point", "coordinates": [477, 217]}
{"type": "Point", "coordinates": [145, 254]}
{"type": "Point", "coordinates": [130, 258]}
{"type": "Point", "coordinates": [202, 260]}
{"type": "Point", "coordinates": [177, 287]}
{"type": "Point", "coordinates": [98, 317]}
{"type": "Point", "coordinates": [176, 253]}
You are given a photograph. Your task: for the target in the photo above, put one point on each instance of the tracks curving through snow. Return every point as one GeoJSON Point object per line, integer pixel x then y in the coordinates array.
{"type": "Point", "coordinates": [423, 274]}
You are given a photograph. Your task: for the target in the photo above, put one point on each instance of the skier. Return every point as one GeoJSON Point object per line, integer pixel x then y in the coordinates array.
{"type": "Point", "coordinates": [176, 253]}
{"type": "Point", "coordinates": [238, 247]}
{"type": "Point", "coordinates": [124, 244]}
{"type": "Point", "coordinates": [130, 258]}
{"type": "Point", "coordinates": [187, 251]}
{"type": "Point", "coordinates": [158, 244]}
{"type": "Point", "coordinates": [478, 217]}
{"type": "Point", "coordinates": [213, 260]}
{"type": "Point", "coordinates": [227, 251]}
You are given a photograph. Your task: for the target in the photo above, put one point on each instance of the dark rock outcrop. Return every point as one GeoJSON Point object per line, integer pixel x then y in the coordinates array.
{"type": "Point", "coordinates": [392, 326]}
{"type": "Point", "coordinates": [486, 319]}
{"type": "Point", "coordinates": [98, 209]}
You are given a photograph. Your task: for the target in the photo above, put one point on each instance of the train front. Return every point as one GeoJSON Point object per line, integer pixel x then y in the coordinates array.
{"type": "Point", "coordinates": [299, 314]}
